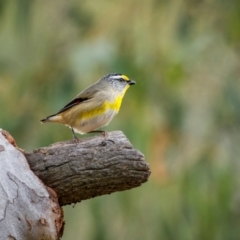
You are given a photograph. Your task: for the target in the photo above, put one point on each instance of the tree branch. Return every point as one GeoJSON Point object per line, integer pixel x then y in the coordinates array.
{"type": "Point", "coordinates": [92, 167]}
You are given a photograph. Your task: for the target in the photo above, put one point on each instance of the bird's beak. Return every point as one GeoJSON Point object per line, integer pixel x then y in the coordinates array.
{"type": "Point", "coordinates": [131, 82]}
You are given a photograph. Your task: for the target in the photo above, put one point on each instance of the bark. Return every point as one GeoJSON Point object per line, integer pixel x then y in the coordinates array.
{"type": "Point", "coordinates": [28, 209]}
{"type": "Point", "coordinates": [89, 168]}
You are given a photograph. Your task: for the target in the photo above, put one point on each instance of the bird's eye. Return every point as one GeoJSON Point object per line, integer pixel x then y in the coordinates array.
{"type": "Point", "coordinates": [121, 80]}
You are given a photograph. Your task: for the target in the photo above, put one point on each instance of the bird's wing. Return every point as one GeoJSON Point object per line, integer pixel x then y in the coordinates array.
{"type": "Point", "coordinates": [82, 97]}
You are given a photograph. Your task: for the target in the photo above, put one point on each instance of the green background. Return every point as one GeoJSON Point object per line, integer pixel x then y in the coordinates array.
{"type": "Point", "coordinates": [183, 113]}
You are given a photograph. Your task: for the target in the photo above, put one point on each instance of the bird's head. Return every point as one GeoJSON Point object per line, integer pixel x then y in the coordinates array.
{"type": "Point", "coordinates": [118, 81]}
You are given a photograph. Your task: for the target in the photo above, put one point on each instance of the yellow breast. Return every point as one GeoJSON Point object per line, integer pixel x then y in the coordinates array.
{"type": "Point", "coordinates": [115, 106]}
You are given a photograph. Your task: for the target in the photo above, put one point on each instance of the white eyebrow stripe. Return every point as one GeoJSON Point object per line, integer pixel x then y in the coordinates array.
{"type": "Point", "coordinates": [116, 77]}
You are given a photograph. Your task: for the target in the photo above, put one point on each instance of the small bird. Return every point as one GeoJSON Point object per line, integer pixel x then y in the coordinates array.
{"type": "Point", "coordinates": [95, 106]}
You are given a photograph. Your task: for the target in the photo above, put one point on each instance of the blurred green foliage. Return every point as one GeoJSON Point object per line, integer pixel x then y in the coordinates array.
{"type": "Point", "coordinates": [183, 114]}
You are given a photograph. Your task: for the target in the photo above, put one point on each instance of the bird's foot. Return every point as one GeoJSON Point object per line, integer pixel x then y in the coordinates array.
{"type": "Point", "coordinates": [106, 135]}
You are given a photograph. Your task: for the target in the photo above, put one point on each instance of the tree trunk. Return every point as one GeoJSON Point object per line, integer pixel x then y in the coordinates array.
{"type": "Point", "coordinates": [28, 209]}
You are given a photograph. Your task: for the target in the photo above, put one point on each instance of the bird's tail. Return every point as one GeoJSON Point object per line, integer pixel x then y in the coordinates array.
{"type": "Point", "coordinates": [52, 118]}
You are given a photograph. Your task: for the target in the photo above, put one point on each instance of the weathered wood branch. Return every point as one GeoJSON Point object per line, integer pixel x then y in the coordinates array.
{"type": "Point", "coordinates": [92, 167]}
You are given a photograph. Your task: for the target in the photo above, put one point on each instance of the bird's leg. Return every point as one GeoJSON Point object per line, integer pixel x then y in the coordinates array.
{"type": "Point", "coordinates": [75, 138]}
